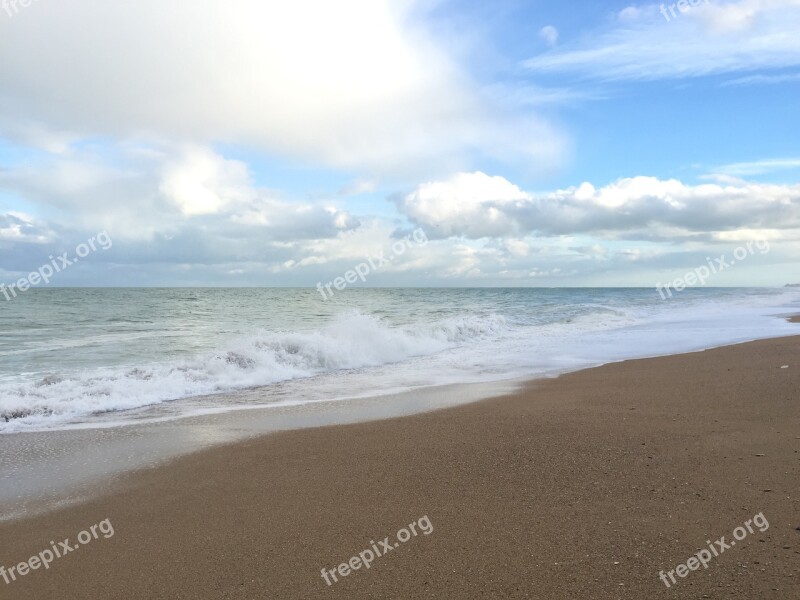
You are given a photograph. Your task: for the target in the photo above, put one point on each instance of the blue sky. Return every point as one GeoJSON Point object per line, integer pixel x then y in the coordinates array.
{"type": "Point", "coordinates": [535, 143]}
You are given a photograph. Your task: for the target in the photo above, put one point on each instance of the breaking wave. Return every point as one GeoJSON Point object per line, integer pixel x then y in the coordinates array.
{"type": "Point", "coordinates": [350, 341]}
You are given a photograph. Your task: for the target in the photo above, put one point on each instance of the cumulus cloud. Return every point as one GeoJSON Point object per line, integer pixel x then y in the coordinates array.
{"type": "Point", "coordinates": [18, 227]}
{"type": "Point", "coordinates": [476, 205]}
{"type": "Point", "coordinates": [202, 182]}
{"type": "Point", "coordinates": [168, 192]}
{"type": "Point", "coordinates": [467, 204]}
{"type": "Point", "coordinates": [710, 38]}
{"type": "Point", "coordinates": [352, 84]}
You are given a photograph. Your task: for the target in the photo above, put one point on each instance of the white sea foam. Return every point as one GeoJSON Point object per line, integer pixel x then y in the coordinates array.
{"type": "Point", "coordinates": [357, 354]}
{"type": "Point", "coordinates": [350, 341]}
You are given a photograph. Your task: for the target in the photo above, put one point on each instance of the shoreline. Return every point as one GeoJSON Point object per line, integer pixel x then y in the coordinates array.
{"type": "Point", "coordinates": [585, 485]}
{"type": "Point", "coordinates": [45, 470]}
{"type": "Point", "coordinates": [42, 471]}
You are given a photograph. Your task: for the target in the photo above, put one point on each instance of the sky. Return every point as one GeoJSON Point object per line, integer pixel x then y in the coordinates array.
{"type": "Point", "coordinates": [259, 143]}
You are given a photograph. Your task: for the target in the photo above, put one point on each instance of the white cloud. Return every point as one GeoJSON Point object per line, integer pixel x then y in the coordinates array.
{"type": "Point", "coordinates": [201, 182]}
{"type": "Point", "coordinates": [711, 38]}
{"type": "Point", "coordinates": [16, 227]}
{"type": "Point", "coordinates": [467, 204]}
{"type": "Point", "coordinates": [171, 192]}
{"type": "Point", "coordinates": [737, 16]}
{"type": "Point", "coordinates": [35, 135]}
{"type": "Point", "coordinates": [549, 34]}
{"type": "Point", "coordinates": [476, 205]}
{"type": "Point", "coordinates": [759, 167]}
{"type": "Point", "coordinates": [517, 248]}
{"type": "Point", "coordinates": [764, 79]}
{"type": "Point", "coordinates": [352, 84]}
{"type": "Point", "coordinates": [632, 13]}
{"type": "Point", "coordinates": [527, 95]}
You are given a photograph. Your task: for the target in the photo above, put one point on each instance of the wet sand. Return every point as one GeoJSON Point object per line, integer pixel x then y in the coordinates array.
{"type": "Point", "coordinates": [42, 470]}
{"type": "Point", "coordinates": [585, 486]}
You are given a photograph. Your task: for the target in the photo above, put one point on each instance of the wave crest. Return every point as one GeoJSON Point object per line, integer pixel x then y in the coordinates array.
{"type": "Point", "coordinates": [349, 341]}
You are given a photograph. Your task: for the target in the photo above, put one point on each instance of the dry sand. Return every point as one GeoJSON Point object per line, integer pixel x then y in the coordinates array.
{"type": "Point", "coordinates": [580, 487]}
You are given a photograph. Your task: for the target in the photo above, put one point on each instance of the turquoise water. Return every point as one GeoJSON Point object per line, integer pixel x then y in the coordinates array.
{"type": "Point", "coordinates": [72, 354]}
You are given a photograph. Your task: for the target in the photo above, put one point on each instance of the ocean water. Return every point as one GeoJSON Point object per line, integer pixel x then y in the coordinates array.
{"type": "Point", "coordinates": [101, 357]}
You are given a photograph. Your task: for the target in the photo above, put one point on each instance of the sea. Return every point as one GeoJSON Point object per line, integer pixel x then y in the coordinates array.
{"type": "Point", "coordinates": [91, 358]}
